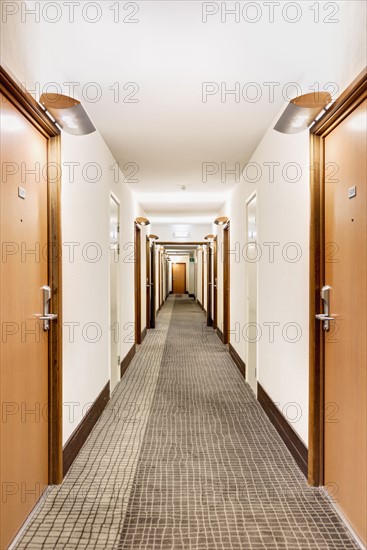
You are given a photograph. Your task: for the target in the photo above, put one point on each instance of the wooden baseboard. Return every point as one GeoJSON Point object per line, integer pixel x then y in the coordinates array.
{"type": "Point", "coordinates": [238, 360]}
{"type": "Point", "coordinates": [220, 334]}
{"type": "Point", "coordinates": [80, 435]}
{"type": "Point", "coordinates": [191, 295]}
{"type": "Point", "coordinates": [292, 440]}
{"type": "Point", "coordinates": [143, 334]}
{"type": "Point", "coordinates": [127, 360]}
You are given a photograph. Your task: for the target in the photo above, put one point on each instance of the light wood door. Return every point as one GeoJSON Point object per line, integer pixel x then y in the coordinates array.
{"type": "Point", "coordinates": [215, 281]}
{"type": "Point", "coordinates": [226, 285]}
{"type": "Point", "coordinates": [148, 281]}
{"type": "Point", "coordinates": [137, 278]}
{"type": "Point", "coordinates": [209, 293]}
{"type": "Point", "coordinates": [24, 344]}
{"type": "Point", "coordinates": [345, 457]}
{"type": "Point", "coordinates": [179, 278]}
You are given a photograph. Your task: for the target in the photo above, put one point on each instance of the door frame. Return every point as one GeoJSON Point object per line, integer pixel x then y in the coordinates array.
{"type": "Point", "coordinates": [215, 282]}
{"type": "Point", "coordinates": [148, 281]}
{"type": "Point", "coordinates": [345, 104]}
{"type": "Point", "coordinates": [137, 282]}
{"type": "Point", "coordinates": [209, 286]}
{"type": "Point", "coordinates": [179, 263]}
{"type": "Point", "coordinates": [153, 286]}
{"type": "Point", "coordinates": [202, 277]}
{"type": "Point", "coordinates": [32, 111]}
{"type": "Point", "coordinates": [226, 284]}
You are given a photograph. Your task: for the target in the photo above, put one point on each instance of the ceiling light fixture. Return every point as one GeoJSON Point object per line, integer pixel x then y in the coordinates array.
{"type": "Point", "coordinates": [69, 113]}
{"type": "Point", "coordinates": [142, 221]}
{"type": "Point", "coordinates": [301, 112]}
{"type": "Point", "coordinates": [222, 220]}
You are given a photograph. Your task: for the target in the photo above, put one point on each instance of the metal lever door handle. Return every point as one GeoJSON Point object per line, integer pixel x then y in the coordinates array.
{"type": "Point", "coordinates": [49, 317]}
{"type": "Point", "coordinates": [325, 317]}
{"type": "Point", "coordinates": [46, 316]}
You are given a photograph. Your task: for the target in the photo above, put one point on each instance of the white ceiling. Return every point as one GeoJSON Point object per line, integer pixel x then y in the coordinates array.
{"type": "Point", "coordinates": [169, 53]}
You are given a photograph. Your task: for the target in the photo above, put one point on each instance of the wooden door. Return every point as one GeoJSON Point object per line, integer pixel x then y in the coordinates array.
{"type": "Point", "coordinates": [24, 343]}
{"type": "Point", "coordinates": [148, 281]}
{"type": "Point", "coordinates": [178, 278]}
{"type": "Point", "coordinates": [345, 436]}
{"type": "Point", "coordinates": [209, 309]}
{"type": "Point", "coordinates": [215, 280]}
{"type": "Point", "coordinates": [226, 285]}
{"type": "Point", "coordinates": [137, 277]}
{"type": "Point", "coordinates": [153, 285]}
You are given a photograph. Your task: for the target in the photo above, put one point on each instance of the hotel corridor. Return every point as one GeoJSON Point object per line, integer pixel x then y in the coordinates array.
{"type": "Point", "coordinates": [184, 458]}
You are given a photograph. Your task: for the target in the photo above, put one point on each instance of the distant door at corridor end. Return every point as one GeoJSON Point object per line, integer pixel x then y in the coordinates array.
{"type": "Point", "coordinates": [178, 278]}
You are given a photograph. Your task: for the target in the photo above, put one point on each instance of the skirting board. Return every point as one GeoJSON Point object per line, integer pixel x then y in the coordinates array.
{"type": "Point", "coordinates": [292, 440]}
{"type": "Point", "coordinates": [127, 360]}
{"type": "Point", "coordinates": [143, 334]}
{"type": "Point", "coordinates": [237, 359]}
{"type": "Point", "coordinates": [80, 435]}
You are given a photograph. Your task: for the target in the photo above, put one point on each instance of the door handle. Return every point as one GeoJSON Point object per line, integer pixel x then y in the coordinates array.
{"type": "Point", "coordinates": [46, 316]}
{"type": "Point", "coordinates": [325, 317]}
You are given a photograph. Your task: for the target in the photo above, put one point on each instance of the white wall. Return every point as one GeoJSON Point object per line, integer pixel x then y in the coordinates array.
{"type": "Point", "coordinates": [283, 282]}
{"type": "Point", "coordinates": [85, 220]}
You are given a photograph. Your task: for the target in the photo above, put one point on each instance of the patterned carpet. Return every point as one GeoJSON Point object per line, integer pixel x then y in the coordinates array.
{"type": "Point", "coordinates": [185, 458]}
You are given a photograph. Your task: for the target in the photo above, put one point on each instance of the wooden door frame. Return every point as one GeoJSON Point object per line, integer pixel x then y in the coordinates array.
{"type": "Point", "coordinates": [153, 286]}
{"type": "Point", "coordinates": [215, 283]}
{"type": "Point", "coordinates": [209, 285]}
{"type": "Point", "coordinates": [167, 278]}
{"type": "Point", "coordinates": [202, 276]}
{"type": "Point", "coordinates": [137, 282]}
{"type": "Point", "coordinates": [346, 103]}
{"type": "Point", "coordinates": [148, 281]}
{"type": "Point", "coordinates": [31, 110]}
{"type": "Point", "coordinates": [160, 279]}
{"type": "Point", "coordinates": [226, 284]}
{"type": "Point", "coordinates": [179, 263]}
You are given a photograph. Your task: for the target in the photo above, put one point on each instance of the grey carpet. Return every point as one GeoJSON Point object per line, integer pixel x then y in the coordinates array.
{"type": "Point", "coordinates": [213, 473]}
{"type": "Point", "coordinates": [183, 457]}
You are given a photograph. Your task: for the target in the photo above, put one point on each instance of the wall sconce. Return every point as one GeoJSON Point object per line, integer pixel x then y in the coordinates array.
{"type": "Point", "coordinates": [207, 237]}
{"type": "Point", "coordinates": [222, 220]}
{"type": "Point", "coordinates": [301, 111]}
{"type": "Point", "coordinates": [142, 221]}
{"type": "Point", "coordinates": [69, 114]}
{"type": "Point", "coordinates": [153, 237]}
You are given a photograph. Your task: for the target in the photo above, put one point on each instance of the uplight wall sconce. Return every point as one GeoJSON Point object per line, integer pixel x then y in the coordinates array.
{"type": "Point", "coordinates": [302, 111]}
{"type": "Point", "coordinates": [222, 220]}
{"type": "Point", "coordinates": [208, 237]}
{"type": "Point", "coordinates": [69, 114]}
{"type": "Point", "coordinates": [142, 221]}
{"type": "Point", "coordinates": [153, 237]}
